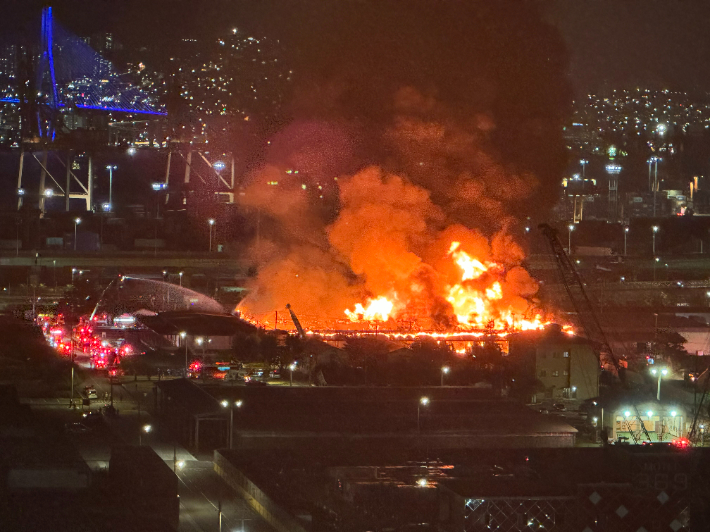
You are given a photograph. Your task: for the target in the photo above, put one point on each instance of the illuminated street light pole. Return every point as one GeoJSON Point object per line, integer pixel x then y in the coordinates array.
{"type": "Point", "coordinates": [211, 222]}
{"type": "Point", "coordinates": [146, 429]}
{"type": "Point", "coordinates": [570, 228]}
{"type": "Point", "coordinates": [444, 370]}
{"type": "Point", "coordinates": [77, 221]}
{"type": "Point", "coordinates": [180, 274]}
{"type": "Point", "coordinates": [655, 230]}
{"type": "Point", "coordinates": [424, 401]}
{"type": "Point", "coordinates": [231, 406]}
{"type": "Point", "coordinates": [183, 335]}
{"type": "Point", "coordinates": [626, 233]}
{"type": "Point", "coordinates": [291, 367]}
{"type": "Point", "coordinates": [110, 168]}
{"type": "Point", "coordinates": [660, 374]}
{"type": "Point", "coordinates": [583, 162]}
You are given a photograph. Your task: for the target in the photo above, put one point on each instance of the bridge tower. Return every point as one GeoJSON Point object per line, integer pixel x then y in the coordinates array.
{"type": "Point", "coordinates": [40, 105]}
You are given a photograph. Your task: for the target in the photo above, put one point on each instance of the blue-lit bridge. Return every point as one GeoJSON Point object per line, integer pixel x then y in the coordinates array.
{"type": "Point", "coordinates": [70, 74]}
{"type": "Point", "coordinates": [71, 101]}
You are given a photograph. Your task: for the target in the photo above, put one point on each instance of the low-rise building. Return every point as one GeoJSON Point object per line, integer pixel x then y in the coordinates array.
{"type": "Point", "coordinates": [565, 365]}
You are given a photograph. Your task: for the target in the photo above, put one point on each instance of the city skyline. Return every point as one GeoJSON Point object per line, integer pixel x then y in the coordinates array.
{"type": "Point", "coordinates": [658, 45]}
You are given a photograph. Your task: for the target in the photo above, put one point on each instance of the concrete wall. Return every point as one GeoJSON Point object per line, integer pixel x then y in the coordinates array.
{"type": "Point", "coordinates": [262, 504]}
{"type": "Point", "coordinates": [567, 366]}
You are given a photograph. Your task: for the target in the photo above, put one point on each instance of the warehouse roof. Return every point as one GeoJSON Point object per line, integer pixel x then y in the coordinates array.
{"type": "Point", "coordinates": [196, 323]}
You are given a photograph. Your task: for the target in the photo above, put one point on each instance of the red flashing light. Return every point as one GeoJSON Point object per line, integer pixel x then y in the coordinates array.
{"type": "Point", "coordinates": [681, 443]}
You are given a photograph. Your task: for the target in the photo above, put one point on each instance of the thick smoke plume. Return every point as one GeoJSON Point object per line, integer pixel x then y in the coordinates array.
{"type": "Point", "coordinates": [413, 125]}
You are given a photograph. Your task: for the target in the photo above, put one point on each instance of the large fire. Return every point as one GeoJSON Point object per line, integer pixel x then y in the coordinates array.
{"type": "Point", "coordinates": [475, 299]}
{"type": "Point", "coordinates": [391, 261]}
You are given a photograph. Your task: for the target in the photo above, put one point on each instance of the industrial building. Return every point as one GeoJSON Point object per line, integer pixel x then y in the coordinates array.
{"type": "Point", "coordinates": [565, 365]}
{"type": "Point", "coordinates": [360, 420]}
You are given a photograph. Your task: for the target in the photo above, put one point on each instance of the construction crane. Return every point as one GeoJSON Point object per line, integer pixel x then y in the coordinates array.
{"type": "Point", "coordinates": [580, 301]}
{"type": "Point", "coordinates": [585, 311]}
{"type": "Point", "coordinates": [319, 378]}
{"type": "Point", "coordinates": [297, 323]}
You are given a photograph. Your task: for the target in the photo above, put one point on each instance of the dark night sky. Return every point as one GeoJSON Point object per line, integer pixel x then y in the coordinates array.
{"type": "Point", "coordinates": [625, 43]}
{"type": "Point", "coordinates": [611, 43]}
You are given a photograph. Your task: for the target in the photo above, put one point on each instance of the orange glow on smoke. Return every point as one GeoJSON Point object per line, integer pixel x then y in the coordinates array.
{"type": "Point", "coordinates": [477, 298]}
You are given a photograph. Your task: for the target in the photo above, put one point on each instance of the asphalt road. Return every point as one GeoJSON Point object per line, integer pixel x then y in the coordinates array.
{"type": "Point", "coordinates": [202, 492]}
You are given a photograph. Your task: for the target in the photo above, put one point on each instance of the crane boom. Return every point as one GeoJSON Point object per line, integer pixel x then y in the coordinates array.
{"type": "Point", "coordinates": [580, 301]}
{"type": "Point", "coordinates": [585, 311]}
{"type": "Point", "coordinates": [297, 323]}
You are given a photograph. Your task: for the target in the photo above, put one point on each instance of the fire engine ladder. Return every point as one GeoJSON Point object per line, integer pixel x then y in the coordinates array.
{"type": "Point", "coordinates": [585, 311]}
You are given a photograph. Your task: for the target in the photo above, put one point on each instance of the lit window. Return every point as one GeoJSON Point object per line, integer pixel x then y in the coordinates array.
{"type": "Point", "coordinates": [566, 354]}
{"type": "Point", "coordinates": [556, 373]}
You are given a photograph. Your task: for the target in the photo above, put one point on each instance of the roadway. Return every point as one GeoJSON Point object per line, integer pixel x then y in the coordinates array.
{"type": "Point", "coordinates": [202, 492]}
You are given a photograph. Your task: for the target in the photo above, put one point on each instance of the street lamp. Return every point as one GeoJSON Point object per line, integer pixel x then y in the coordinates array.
{"type": "Point", "coordinates": [570, 228]}
{"type": "Point", "coordinates": [231, 405]}
{"type": "Point", "coordinates": [211, 222]}
{"type": "Point", "coordinates": [77, 221]}
{"type": "Point", "coordinates": [291, 367]}
{"type": "Point", "coordinates": [424, 401]}
{"type": "Point", "coordinates": [110, 168]}
{"type": "Point", "coordinates": [626, 233]}
{"type": "Point", "coordinates": [180, 274]}
{"type": "Point", "coordinates": [183, 335]}
{"type": "Point", "coordinates": [583, 162]}
{"type": "Point", "coordinates": [131, 151]}
{"type": "Point", "coordinates": [655, 230]}
{"type": "Point", "coordinates": [146, 429]}
{"type": "Point", "coordinates": [444, 371]}
{"type": "Point", "coordinates": [660, 373]}
{"type": "Point", "coordinates": [48, 192]}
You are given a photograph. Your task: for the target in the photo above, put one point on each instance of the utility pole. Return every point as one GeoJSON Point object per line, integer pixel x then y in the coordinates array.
{"type": "Point", "coordinates": [71, 358]}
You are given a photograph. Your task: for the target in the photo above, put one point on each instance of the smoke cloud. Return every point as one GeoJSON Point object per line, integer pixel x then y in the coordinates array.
{"type": "Point", "coordinates": [412, 125]}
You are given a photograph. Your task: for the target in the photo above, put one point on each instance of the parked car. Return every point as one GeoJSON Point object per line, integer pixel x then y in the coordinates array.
{"type": "Point", "coordinates": [559, 407]}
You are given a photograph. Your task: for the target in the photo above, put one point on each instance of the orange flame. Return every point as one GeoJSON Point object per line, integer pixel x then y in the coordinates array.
{"type": "Point", "coordinates": [472, 268]}
{"type": "Point", "coordinates": [477, 299]}
{"type": "Point", "coordinates": [377, 310]}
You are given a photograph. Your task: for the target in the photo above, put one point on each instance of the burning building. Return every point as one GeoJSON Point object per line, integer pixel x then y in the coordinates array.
{"type": "Point", "coordinates": [392, 262]}
{"type": "Point", "coordinates": [397, 204]}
